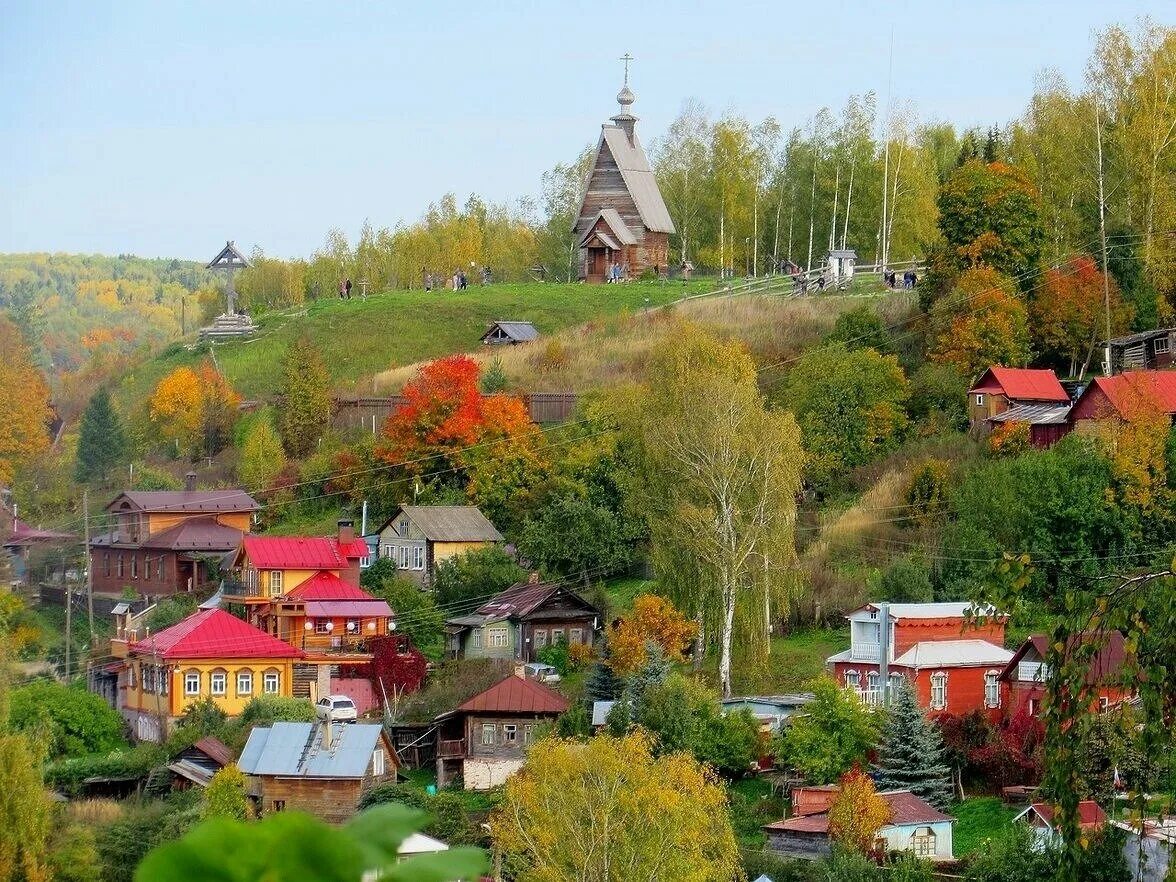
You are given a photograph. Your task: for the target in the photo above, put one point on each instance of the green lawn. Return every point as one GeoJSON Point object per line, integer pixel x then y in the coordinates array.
{"type": "Point", "coordinates": [794, 660]}
{"type": "Point", "coordinates": [979, 819]}
{"type": "Point", "coordinates": [358, 338]}
{"type": "Point", "coordinates": [623, 591]}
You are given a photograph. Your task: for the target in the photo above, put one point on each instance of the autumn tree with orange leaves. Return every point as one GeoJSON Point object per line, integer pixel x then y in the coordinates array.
{"type": "Point", "coordinates": [979, 323]}
{"type": "Point", "coordinates": [653, 620]}
{"type": "Point", "coordinates": [195, 409]}
{"type": "Point", "coordinates": [1069, 311]}
{"type": "Point", "coordinates": [857, 813]}
{"type": "Point", "coordinates": [24, 404]}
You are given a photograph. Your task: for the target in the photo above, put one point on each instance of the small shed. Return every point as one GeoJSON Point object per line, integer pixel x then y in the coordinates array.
{"type": "Point", "coordinates": [841, 262]}
{"type": "Point", "coordinates": [199, 763]}
{"type": "Point", "coordinates": [502, 333]}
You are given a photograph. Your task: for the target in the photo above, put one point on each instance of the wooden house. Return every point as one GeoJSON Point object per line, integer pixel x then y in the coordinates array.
{"type": "Point", "coordinates": [268, 567]}
{"type": "Point", "coordinates": [195, 765]}
{"type": "Point", "coordinates": [164, 541]}
{"type": "Point", "coordinates": [520, 621]}
{"type": "Point", "coordinates": [1124, 396]}
{"type": "Point", "coordinates": [953, 660]}
{"type": "Point", "coordinates": [503, 333]}
{"type": "Point", "coordinates": [1002, 388]}
{"type": "Point", "coordinates": [19, 540]}
{"type": "Point", "coordinates": [1023, 679]}
{"type": "Point", "coordinates": [1039, 817]}
{"type": "Point", "coordinates": [484, 741]}
{"type": "Point", "coordinates": [1146, 350]}
{"type": "Point", "coordinates": [913, 826]}
{"type": "Point", "coordinates": [418, 537]}
{"type": "Point", "coordinates": [325, 614]}
{"type": "Point", "coordinates": [622, 219]}
{"type": "Point", "coordinates": [210, 654]}
{"type": "Point", "coordinates": [323, 768]}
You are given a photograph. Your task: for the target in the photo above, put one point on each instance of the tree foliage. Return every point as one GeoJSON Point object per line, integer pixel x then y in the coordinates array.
{"type": "Point", "coordinates": [69, 721]}
{"type": "Point", "coordinates": [572, 536]}
{"type": "Point", "coordinates": [653, 620]}
{"type": "Point", "coordinates": [857, 813]}
{"type": "Point", "coordinates": [477, 574]}
{"type": "Point", "coordinates": [1069, 313]}
{"type": "Point", "coordinates": [607, 809]}
{"type": "Point", "coordinates": [306, 397]}
{"type": "Point", "coordinates": [195, 409]}
{"type": "Point", "coordinates": [979, 323]}
{"type": "Point", "coordinates": [24, 406]}
{"type": "Point", "coordinates": [224, 797]}
{"type": "Point", "coordinates": [417, 614]}
{"type": "Point", "coordinates": [102, 444]}
{"type": "Point", "coordinates": [911, 752]}
{"type": "Point", "coordinates": [262, 457]}
{"type": "Point", "coordinates": [835, 733]}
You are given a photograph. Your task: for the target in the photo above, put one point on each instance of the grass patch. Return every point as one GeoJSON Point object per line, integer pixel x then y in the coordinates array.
{"type": "Point", "coordinates": [623, 591]}
{"type": "Point", "coordinates": [752, 805]}
{"type": "Point", "coordinates": [977, 820]}
{"type": "Point", "coordinates": [793, 662]}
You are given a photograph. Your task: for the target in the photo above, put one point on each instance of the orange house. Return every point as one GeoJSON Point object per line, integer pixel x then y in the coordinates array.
{"type": "Point", "coordinates": [271, 566]}
{"type": "Point", "coordinates": [326, 614]}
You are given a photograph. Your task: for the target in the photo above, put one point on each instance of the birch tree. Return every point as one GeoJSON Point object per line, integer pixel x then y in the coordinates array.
{"type": "Point", "coordinates": [721, 474]}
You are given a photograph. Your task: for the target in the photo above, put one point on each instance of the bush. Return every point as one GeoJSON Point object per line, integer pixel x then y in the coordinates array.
{"type": "Point", "coordinates": [68, 775]}
{"type": "Point", "coordinates": [556, 655]}
{"type": "Point", "coordinates": [778, 869]}
{"type": "Point", "coordinates": [448, 819]}
{"type": "Point", "coordinates": [907, 580]}
{"type": "Point", "coordinates": [170, 611]}
{"type": "Point", "coordinates": [474, 575]}
{"type": "Point", "coordinates": [75, 722]}
{"type": "Point", "coordinates": [927, 493]}
{"type": "Point", "coordinates": [73, 854]}
{"type": "Point", "coordinates": [1009, 439]}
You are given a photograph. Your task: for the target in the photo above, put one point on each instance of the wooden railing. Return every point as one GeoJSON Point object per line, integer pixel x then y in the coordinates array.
{"type": "Point", "coordinates": [452, 748]}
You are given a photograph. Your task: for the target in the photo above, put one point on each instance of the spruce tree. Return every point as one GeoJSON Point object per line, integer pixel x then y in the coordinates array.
{"type": "Point", "coordinates": [911, 752]}
{"type": "Point", "coordinates": [601, 683]}
{"type": "Point", "coordinates": [102, 445]}
{"type": "Point", "coordinates": [306, 392]}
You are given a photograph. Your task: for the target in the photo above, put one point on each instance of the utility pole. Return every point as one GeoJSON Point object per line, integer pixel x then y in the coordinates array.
{"type": "Point", "coordinates": [86, 558]}
{"type": "Point", "coordinates": [1102, 231]}
{"type": "Point", "coordinates": [68, 624]}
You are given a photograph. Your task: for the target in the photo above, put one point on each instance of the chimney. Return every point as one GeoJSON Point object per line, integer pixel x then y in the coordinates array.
{"type": "Point", "coordinates": [327, 731]}
{"type": "Point", "coordinates": [190, 481]}
{"type": "Point", "coordinates": [533, 578]}
{"type": "Point", "coordinates": [346, 531]}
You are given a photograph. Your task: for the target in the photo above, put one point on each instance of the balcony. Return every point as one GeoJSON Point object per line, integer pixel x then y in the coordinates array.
{"type": "Point", "coordinates": [329, 643]}
{"type": "Point", "coordinates": [234, 589]}
{"type": "Point", "coordinates": [869, 697]}
{"type": "Point", "coordinates": [859, 651]}
{"type": "Point", "coordinates": [452, 749]}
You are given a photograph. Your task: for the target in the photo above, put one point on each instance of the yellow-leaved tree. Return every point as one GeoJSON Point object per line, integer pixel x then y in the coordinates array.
{"type": "Point", "coordinates": [24, 404]}
{"type": "Point", "coordinates": [654, 620]}
{"type": "Point", "coordinates": [857, 812]}
{"type": "Point", "coordinates": [607, 810]}
{"type": "Point", "coordinates": [194, 409]}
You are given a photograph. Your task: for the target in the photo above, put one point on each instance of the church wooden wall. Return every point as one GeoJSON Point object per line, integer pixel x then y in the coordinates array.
{"type": "Point", "coordinates": [606, 189]}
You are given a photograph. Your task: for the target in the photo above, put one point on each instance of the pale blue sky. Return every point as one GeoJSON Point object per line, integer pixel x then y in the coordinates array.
{"type": "Point", "coordinates": [163, 128]}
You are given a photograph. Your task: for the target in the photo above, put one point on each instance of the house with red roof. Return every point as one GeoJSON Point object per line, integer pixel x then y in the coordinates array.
{"type": "Point", "coordinates": [268, 567]}
{"type": "Point", "coordinates": [1040, 818]}
{"type": "Point", "coordinates": [952, 653]}
{"type": "Point", "coordinates": [1108, 680]}
{"type": "Point", "coordinates": [484, 740]}
{"type": "Point", "coordinates": [1021, 395]}
{"type": "Point", "coordinates": [20, 540]}
{"type": "Point", "coordinates": [1125, 396]}
{"type": "Point", "coordinates": [913, 826]}
{"type": "Point", "coordinates": [325, 614]}
{"type": "Point", "coordinates": [161, 542]}
{"type": "Point", "coordinates": [210, 654]}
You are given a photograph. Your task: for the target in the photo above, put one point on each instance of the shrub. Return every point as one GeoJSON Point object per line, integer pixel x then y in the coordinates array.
{"type": "Point", "coordinates": [927, 493]}
{"type": "Point", "coordinates": [556, 655]}
{"type": "Point", "coordinates": [75, 722]}
{"type": "Point", "coordinates": [68, 775]}
{"type": "Point", "coordinates": [907, 580]}
{"type": "Point", "coordinates": [1009, 439]}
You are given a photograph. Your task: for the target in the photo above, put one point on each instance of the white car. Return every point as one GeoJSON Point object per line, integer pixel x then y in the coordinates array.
{"type": "Point", "coordinates": [541, 672]}
{"type": "Point", "coordinates": [339, 708]}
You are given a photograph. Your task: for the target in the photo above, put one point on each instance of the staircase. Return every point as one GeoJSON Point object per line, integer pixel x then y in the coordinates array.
{"type": "Point", "coordinates": [229, 327]}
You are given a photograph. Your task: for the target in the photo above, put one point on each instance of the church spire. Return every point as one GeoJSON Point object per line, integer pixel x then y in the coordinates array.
{"type": "Point", "coordinates": [625, 98]}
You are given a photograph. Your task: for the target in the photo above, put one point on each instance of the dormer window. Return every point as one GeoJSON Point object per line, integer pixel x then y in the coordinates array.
{"type": "Point", "coordinates": [402, 528]}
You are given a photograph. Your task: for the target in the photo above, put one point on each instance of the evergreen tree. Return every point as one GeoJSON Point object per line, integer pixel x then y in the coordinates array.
{"type": "Point", "coordinates": [601, 684]}
{"type": "Point", "coordinates": [911, 752]}
{"type": "Point", "coordinates": [102, 445]}
{"type": "Point", "coordinates": [306, 391]}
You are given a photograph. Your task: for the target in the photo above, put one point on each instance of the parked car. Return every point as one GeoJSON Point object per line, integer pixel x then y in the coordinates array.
{"type": "Point", "coordinates": [340, 708]}
{"type": "Point", "coordinates": [541, 672]}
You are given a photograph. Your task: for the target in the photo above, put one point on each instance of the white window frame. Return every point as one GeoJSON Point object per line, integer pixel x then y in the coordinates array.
{"type": "Point", "coordinates": [476, 638]}
{"type": "Point", "coordinates": [528, 733]}
{"type": "Point", "coordinates": [939, 685]}
{"type": "Point", "coordinates": [540, 638]}
{"type": "Point", "coordinates": [365, 561]}
{"type": "Point", "coordinates": [388, 551]}
{"type": "Point", "coordinates": [192, 682]}
{"type": "Point", "coordinates": [320, 626]}
{"type": "Point", "coordinates": [218, 683]}
{"type": "Point", "coordinates": [489, 734]}
{"type": "Point", "coordinates": [873, 681]}
{"type": "Point", "coordinates": [1165, 349]}
{"type": "Point", "coordinates": [402, 528]}
{"type": "Point", "coordinates": [853, 680]}
{"type": "Point", "coordinates": [498, 638]}
{"type": "Point", "coordinates": [271, 682]}
{"type": "Point", "coordinates": [418, 557]}
{"type": "Point", "coordinates": [575, 636]}
{"type": "Point", "coordinates": [992, 682]}
{"type": "Point", "coordinates": [557, 635]}
{"type": "Point", "coordinates": [275, 583]}
{"type": "Point", "coordinates": [979, 399]}
{"type": "Point", "coordinates": [245, 682]}
{"type": "Point", "coordinates": [378, 761]}
{"type": "Point", "coordinates": [510, 733]}
{"type": "Point", "coordinates": [403, 563]}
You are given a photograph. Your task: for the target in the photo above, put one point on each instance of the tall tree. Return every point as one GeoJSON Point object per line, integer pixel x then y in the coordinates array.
{"type": "Point", "coordinates": [911, 752]}
{"type": "Point", "coordinates": [102, 444]}
{"type": "Point", "coordinates": [306, 397]}
{"type": "Point", "coordinates": [857, 813]}
{"type": "Point", "coordinates": [722, 472]}
{"type": "Point", "coordinates": [1069, 313]}
{"type": "Point", "coordinates": [609, 811]}
{"type": "Point", "coordinates": [24, 405]}
{"type": "Point", "coordinates": [653, 621]}
{"type": "Point", "coordinates": [262, 457]}
{"type": "Point", "coordinates": [834, 734]}
{"type": "Point", "coordinates": [979, 323]}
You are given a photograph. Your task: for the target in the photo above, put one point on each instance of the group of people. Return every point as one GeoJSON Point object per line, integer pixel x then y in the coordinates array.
{"type": "Point", "coordinates": [345, 289]}
{"type": "Point", "coordinates": [616, 272]}
{"type": "Point", "coordinates": [459, 281]}
{"type": "Point", "coordinates": [909, 279]}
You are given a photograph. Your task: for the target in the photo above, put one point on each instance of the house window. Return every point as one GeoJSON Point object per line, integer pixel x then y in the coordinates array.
{"type": "Point", "coordinates": [872, 681]}
{"type": "Point", "coordinates": [120, 566]}
{"type": "Point", "coordinates": [192, 683]}
{"type": "Point", "coordinates": [353, 626]}
{"type": "Point", "coordinates": [1161, 345]}
{"type": "Point", "coordinates": [106, 563]}
{"type": "Point", "coordinates": [528, 733]}
{"type": "Point", "coordinates": [1033, 705]}
{"type": "Point", "coordinates": [540, 639]}
{"type": "Point", "coordinates": [488, 734]}
{"type": "Point", "coordinates": [853, 680]}
{"type": "Point", "coordinates": [378, 762]}
{"type": "Point", "coordinates": [388, 551]}
{"type": "Point", "coordinates": [163, 676]}
{"type": "Point", "coordinates": [245, 682]}
{"type": "Point", "coordinates": [923, 842]}
{"type": "Point", "coordinates": [576, 635]}
{"type": "Point", "coordinates": [275, 583]}
{"type": "Point", "coordinates": [148, 679]}
{"type": "Point", "coordinates": [510, 733]}
{"type": "Point", "coordinates": [418, 557]}
{"type": "Point", "coordinates": [218, 682]}
{"type": "Point", "coordinates": [402, 528]}
{"type": "Point", "coordinates": [365, 561]}
{"type": "Point", "coordinates": [979, 399]}
{"type": "Point", "coordinates": [939, 690]}
{"type": "Point", "coordinates": [476, 639]}
{"type": "Point", "coordinates": [271, 682]}
{"type": "Point", "coordinates": [896, 681]}
{"type": "Point", "coordinates": [404, 557]}
{"type": "Point", "coordinates": [557, 636]}
{"type": "Point", "coordinates": [992, 688]}
{"type": "Point", "coordinates": [159, 568]}
{"type": "Point", "coordinates": [498, 638]}
{"type": "Point", "coordinates": [322, 626]}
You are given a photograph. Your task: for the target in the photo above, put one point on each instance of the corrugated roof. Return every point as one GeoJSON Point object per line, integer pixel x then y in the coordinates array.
{"type": "Point", "coordinates": [1090, 813]}
{"type": "Point", "coordinates": [616, 225]}
{"type": "Point", "coordinates": [905, 809]}
{"type": "Point", "coordinates": [196, 534]}
{"type": "Point", "coordinates": [523, 598]}
{"type": "Point", "coordinates": [1023, 384]}
{"type": "Point", "coordinates": [1035, 414]}
{"type": "Point", "coordinates": [213, 634]}
{"type": "Point", "coordinates": [600, 712]}
{"type": "Point", "coordinates": [214, 749]}
{"type": "Point", "coordinates": [300, 552]}
{"type": "Point", "coordinates": [188, 500]}
{"type": "Point", "coordinates": [348, 609]}
{"type": "Point", "coordinates": [953, 653]}
{"type": "Point", "coordinates": [325, 585]}
{"type": "Point", "coordinates": [451, 523]}
{"type": "Point", "coordinates": [638, 176]}
{"type": "Point", "coordinates": [516, 695]}
{"type": "Point", "coordinates": [520, 332]}
{"type": "Point", "coordinates": [1140, 337]}
{"type": "Point", "coordinates": [296, 750]}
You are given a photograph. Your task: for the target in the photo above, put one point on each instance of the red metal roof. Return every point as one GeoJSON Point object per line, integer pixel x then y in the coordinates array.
{"type": "Point", "coordinates": [905, 808]}
{"type": "Point", "coordinates": [1127, 393]}
{"type": "Point", "coordinates": [215, 749]}
{"type": "Point", "coordinates": [1090, 813]}
{"type": "Point", "coordinates": [516, 695]}
{"type": "Point", "coordinates": [325, 585]}
{"type": "Point", "coordinates": [212, 634]}
{"type": "Point", "coordinates": [301, 552]}
{"type": "Point", "coordinates": [1022, 384]}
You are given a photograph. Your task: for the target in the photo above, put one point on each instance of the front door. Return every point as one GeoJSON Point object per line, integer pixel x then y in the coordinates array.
{"type": "Point", "coordinates": [597, 265]}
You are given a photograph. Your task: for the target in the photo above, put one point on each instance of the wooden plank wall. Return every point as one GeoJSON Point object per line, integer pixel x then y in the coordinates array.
{"type": "Point", "coordinates": [546, 408]}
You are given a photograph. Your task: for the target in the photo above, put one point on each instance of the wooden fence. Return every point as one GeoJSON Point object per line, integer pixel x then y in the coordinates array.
{"type": "Point", "coordinates": [369, 413]}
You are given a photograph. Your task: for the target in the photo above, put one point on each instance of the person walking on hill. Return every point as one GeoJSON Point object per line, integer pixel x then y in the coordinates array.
{"type": "Point", "coordinates": [342, 289]}
{"type": "Point", "coordinates": [347, 288]}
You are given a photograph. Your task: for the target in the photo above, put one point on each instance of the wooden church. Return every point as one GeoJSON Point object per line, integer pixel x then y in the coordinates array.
{"type": "Point", "coordinates": [623, 219]}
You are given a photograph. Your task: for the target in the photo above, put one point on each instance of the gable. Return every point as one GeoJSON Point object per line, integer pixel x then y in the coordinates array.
{"type": "Point", "coordinates": [607, 189]}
